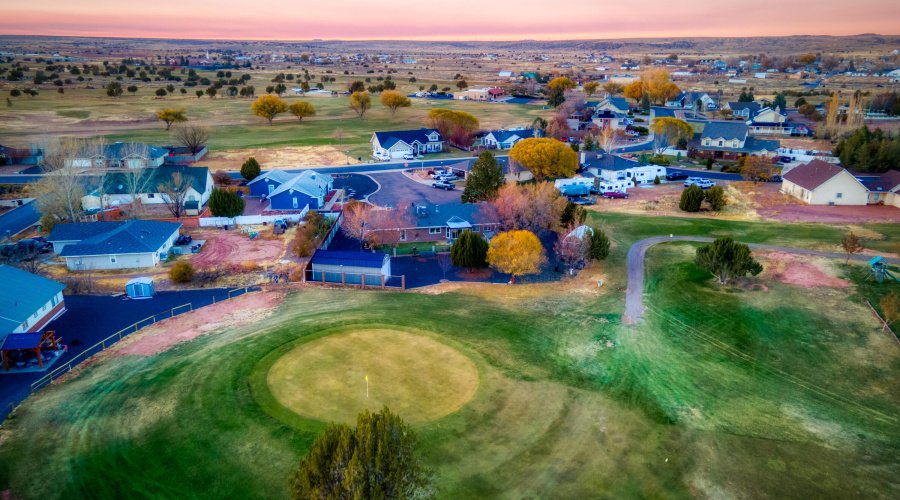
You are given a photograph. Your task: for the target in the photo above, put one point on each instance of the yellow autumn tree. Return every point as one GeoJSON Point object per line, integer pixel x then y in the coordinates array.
{"type": "Point", "coordinates": [268, 106]}
{"type": "Point", "coordinates": [656, 85]}
{"type": "Point", "coordinates": [668, 130]}
{"type": "Point", "coordinates": [170, 116]}
{"type": "Point", "coordinates": [590, 88]}
{"type": "Point", "coordinates": [302, 109]}
{"type": "Point", "coordinates": [360, 102]}
{"type": "Point", "coordinates": [516, 253]}
{"type": "Point", "coordinates": [563, 82]}
{"type": "Point", "coordinates": [446, 121]}
{"type": "Point", "coordinates": [391, 99]}
{"type": "Point", "coordinates": [545, 157]}
{"type": "Point", "coordinates": [634, 90]}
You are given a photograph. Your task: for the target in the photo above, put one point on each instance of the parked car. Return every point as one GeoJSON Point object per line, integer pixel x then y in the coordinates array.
{"type": "Point", "coordinates": [443, 185]}
{"type": "Point", "coordinates": [703, 183]}
{"type": "Point", "coordinates": [614, 194]}
{"type": "Point", "coordinates": [785, 159]}
{"type": "Point", "coordinates": [772, 178]}
{"type": "Point", "coordinates": [184, 239]}
{"type": "Point", "coordinates": [437, 174]}
{"type": "Point", "coordinates": [676, 176]}
{"type": "Point", "coordinates": [409, 156]}
{"type": "Point", "coordinates": [446, 177]}
{"type": "Point", "coordinates": [583, 201]}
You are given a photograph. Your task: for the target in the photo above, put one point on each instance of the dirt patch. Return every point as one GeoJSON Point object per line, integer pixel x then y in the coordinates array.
{"type": "Point", "coordinates": [799, 270]}
{"type": "Point", "coordinates": [476, 274]}
{"type": "Point", "coordinates": [288, 157]}
{"type": "Point", "coordinates": [162, 336]}
{"type": "Point", "coordinates": [832, 215]}
{"type": "Point", "coordinates": [234, 247]}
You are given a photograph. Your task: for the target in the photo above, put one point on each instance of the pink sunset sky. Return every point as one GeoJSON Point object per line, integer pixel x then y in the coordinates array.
{"type": "Point", "coordinates": [465, 20]}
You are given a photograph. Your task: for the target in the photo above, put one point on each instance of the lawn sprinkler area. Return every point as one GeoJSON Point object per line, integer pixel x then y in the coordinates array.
{"type": "Point", "coordinates": [334, 378]}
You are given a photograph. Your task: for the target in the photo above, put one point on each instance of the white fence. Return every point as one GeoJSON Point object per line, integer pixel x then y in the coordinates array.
{"type": "Point", "coordinates": [250, 219]}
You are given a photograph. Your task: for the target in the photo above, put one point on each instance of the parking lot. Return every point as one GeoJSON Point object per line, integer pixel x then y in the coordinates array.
{"type": "Point", "coordinates": [397, 188]}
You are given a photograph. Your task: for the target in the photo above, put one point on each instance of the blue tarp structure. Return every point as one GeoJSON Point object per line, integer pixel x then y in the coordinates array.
{"type": "Point", "coordinates": [575, 190]}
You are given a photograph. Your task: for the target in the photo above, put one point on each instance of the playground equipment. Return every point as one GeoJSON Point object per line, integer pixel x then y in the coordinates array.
{"type": "Point", "coordinates": [880, 270]}
{"type": "Point", "coordinates": [252, 231]}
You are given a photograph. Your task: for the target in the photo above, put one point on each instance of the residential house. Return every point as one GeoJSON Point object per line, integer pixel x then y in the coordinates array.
{"type": "Point", "coordinates": [506, 139]}
{"type": "Point", "coordinates": [631, 67]}
{"type": "Point", "coordinates": [307, 188]}
{"type": "Point", "coordinates": [687, 99]}
{"type": "Point", "coordinates": [607, 118]}
{"type": "Point", "coordinates": [116, 187]}
{"type": "Point", "coordinates": [113, 245]}
{"type": "Point", "coordinates": [27, 301]}
{"type": "Point", "coordinates": [742, 109]}
{"type": "Point", "coordinates": [483, 94]}
{"type": "Point", "coordinates": [615, 173]}
{"type": "Point", "coordinates": [267, 182]}
{"type": "Point", "coordinates": [398, 143]}
{"type": "Point", "coordinates": [121, 155]}
{"type": "Point", "coordinates": [447, 222]}
{"type": "Point", "coordinates": [885, 190]}
{"type": "Point", "coordinates": [821, 183]}
{"type": "Point", "coordinates": [768, 121]}
{"type": "Point", "coordinates": [614, 104]}
{"type": "Point", "coordinates": [730, 141]}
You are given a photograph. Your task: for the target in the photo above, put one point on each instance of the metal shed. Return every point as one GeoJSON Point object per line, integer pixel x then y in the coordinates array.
{"type": "Point", "coordinates": [350, 267]}
{"type": "Point", "coordinates": [140, 288]}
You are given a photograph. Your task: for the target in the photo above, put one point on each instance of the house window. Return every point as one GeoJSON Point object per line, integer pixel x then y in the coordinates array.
{"type": "Point", "coordinates": [403, 235]}
{"type": "Point", "coordinates": [735, 144]}
{"type": "Point", "coordinates": [150, 195]}
{"type": "Point", "coordinates": [840, 195]}
{"type": "Point", "coordinates": [434, 230]}
{"type": "Point", "coordinates": [53, 301]}
{"type": "Point", "coordinates": [112, 259]}
{"type": "Point", "coordinates": [476, 229]}
{"type": "Point", "coordinates": [271, 188]}
{"type": "Point", "coordinates": [35, 314]}
{"type": "Point", "coordinates": [295, 202]}
{"type": "Point", "coordinates": [25, 325]}
{"type": "Point", "coordinates": [721, 143]}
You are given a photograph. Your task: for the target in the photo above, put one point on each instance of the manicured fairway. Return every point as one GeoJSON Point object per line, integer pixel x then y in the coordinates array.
{"type": "Point", "coordinates": [413, 375]}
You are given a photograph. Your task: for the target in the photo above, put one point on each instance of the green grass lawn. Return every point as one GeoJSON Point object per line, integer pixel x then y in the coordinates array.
{"type": "Point", "coordinates": [720, 393]}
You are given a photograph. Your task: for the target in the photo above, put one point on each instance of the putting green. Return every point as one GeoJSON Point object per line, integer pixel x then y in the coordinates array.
{"type": "Point", "coordinates": [413, 375]}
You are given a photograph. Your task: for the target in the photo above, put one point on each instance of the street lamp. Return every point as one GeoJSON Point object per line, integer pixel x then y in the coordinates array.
{"type": "Point", "coordinates": [348, 156]}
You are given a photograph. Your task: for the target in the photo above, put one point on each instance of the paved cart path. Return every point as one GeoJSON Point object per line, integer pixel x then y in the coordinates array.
{"type": "Point", "coordinates": [634, 307]}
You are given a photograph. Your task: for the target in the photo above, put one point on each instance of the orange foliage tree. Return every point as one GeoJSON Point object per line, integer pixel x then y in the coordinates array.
{"type": "Point", "coordinates": [655, 83]}
{"type": "Point", "coordinates": [516, 253]}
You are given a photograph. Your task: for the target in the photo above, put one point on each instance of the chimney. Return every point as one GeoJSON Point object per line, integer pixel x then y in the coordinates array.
{"type": "Point", "coordinates": [582, 157]}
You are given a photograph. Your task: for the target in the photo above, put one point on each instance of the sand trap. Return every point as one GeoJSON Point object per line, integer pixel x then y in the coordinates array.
{"type": "Point", "coordinates": [239, 311]}
{"type": "Point", "coordinates": [800, 270]}
{"type": "Point", "coordinates": [415, 376]}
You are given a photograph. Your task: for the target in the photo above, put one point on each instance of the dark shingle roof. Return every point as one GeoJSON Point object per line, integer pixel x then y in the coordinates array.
{"type": "Point", "coordinates": [886, 182]}
{"type": "Point", "coordinates": [813, 174]}
{"type": "Point", "coordinates": [388, 139]}
{"type": "Point", "coordinates": [160, 175]}
{"type": "Point", "coordinates": [121, 150]}
{"type": "Point", "coordinates": [609, 162]}
{"type": "Point", "coordinates": [740, 106]}
{"type": "Point", "coordinates": [21, 294]}
{"type": "Point", "coordinates": [725, 130]}
{"type": "Point", "coordinates": [439, 215]}
{"type": "Point", "coordinates": [109, 238]}
{"type": "Point", "coordinates": [355, 259]}
{"type": "Point", "coordinates": [504, 135]}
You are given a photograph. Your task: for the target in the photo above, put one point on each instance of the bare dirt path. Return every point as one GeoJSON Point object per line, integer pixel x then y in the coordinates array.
{"type": "Point", "coordinates": [634, 295]}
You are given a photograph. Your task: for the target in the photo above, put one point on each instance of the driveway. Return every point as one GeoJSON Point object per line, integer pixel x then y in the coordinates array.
{"type": "Point", "coordinates": [397, 188]}
{"type": "Point", "coordinates": [18, 219]}
{"type": "Point", "coordinates": [634, 295]}
{"type": "Point", "coordinates": [91, 318]}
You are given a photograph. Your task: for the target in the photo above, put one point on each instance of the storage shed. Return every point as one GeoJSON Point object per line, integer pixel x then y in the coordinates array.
{"type": "Point", "coordinates": [140, 288]}
{"type": "Point", "coordinates": [337, 263]}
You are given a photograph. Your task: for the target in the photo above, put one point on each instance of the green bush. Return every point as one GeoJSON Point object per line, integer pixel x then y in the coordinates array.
{"type": "Point", "coordinates": [250, 169]}
{"type": "Point", "coordinates": [47, 222]}
{"type": "Point", "coordinates": [225, 203]}
{"type": "Point", "coordinates": [469, 251]}
{"type": "Point", "coordinates": [691, 199]}
{"type": "Point", "coordinates": [181, 272]}
{"type": "Point", "coordinates": [659, 160]}
{"type": "Point", "coordinates": [715, 196]}
{"type": "Point", "coordinates": [709, 163]}
{"type": "Point", "coordinates": [656, 180]}
{"type": "Point", "coordinates": [732, 170]}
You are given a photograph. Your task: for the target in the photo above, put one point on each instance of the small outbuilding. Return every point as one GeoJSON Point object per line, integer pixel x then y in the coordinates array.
{"type": "Point", "coordinates": [140, 288]}
{"type": "Point", "coordinates": [350, 267]}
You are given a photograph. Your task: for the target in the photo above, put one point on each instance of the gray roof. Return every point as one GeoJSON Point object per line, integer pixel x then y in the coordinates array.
{"type": "Point", "coordinates": [504, 135]}
{"type": "Point", "coordinates": [751, 145]}
{"type": "Point", "coordinates": [740, 106]}
{"type": "Point", "coordinates": [117, 182]}
{"type": "Point", "coordinates": [113, 238]}
{"type": "Point", "coordinates": [276, 174]}
{"type": "Point", "coordinates": [309, 181]}
{"type": "Point", "coordinates": [354, 259]}
{"type": "Point", "coordinates": [609, 162]}
{"type": "Point", "coordinates": [725, 130]}
{"type": "Point", "coordinates": [121, 150]}
{"type": "Point", "coordinates": [441, 215]}
{"type": "Point", "coordinates": [21, 294]}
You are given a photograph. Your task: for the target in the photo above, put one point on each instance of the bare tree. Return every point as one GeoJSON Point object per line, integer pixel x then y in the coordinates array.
{"type": "Point", "coordinates": [851, 245]}
{"type": "Point", "coordinates": [193, 136]}
{"type": "Point", "coordinates": [389, 225]}
{"type": "Point", "coordinates": [338, 135]}
{"type": "Point", "coordinates": [572, 247]}
{"type": "Point", "coordinates": [445, 261]}
{"type": "Point", "coordinates": [63, 184]}
{"type": "Point", "coordinates": [609, 139]}
{"type": "Point", "coordinates": [174, 192]}
{"type": "Point", "coordinates": [890, 308]}
{"type": "Point", "coordinates": [136, 184]}
{"type": "Point", "coordinates": [357, 220]}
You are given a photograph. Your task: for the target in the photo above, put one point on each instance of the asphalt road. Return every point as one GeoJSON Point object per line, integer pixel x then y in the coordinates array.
{"type": "Point", "coordinates": [396, 188]}
{"type": "Point", "coordinates": [18, 219]}
{"type": "Point", "coordinates": [634, 295]}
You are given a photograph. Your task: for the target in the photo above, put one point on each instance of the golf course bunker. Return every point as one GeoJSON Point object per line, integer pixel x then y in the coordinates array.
{"type": "Point", "coordinates": [416, 377]}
